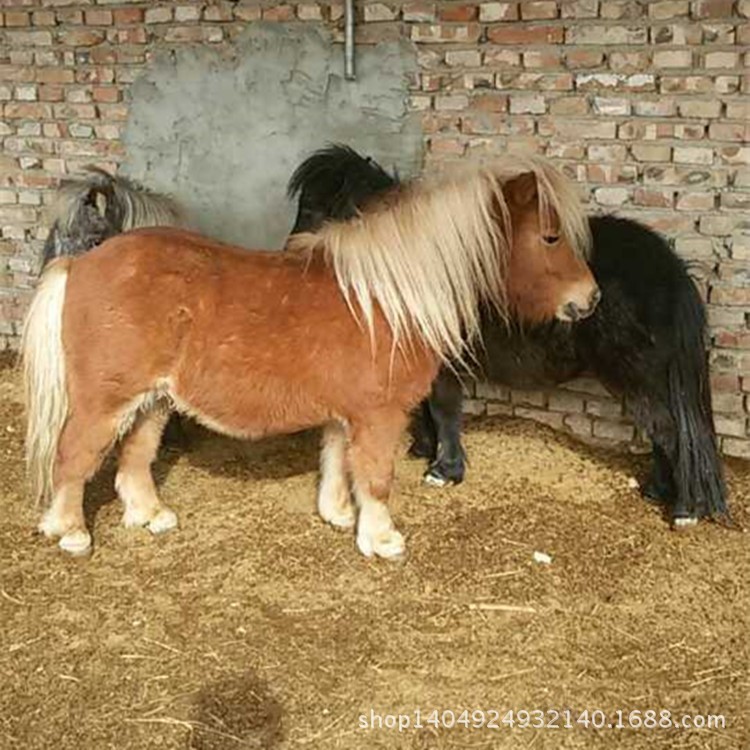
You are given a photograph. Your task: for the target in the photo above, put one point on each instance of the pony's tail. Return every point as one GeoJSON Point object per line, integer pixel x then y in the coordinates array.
{"type": "Point", "coordinates": [697, 471]}
{"type": "Point", "coordinates": [44, 377]}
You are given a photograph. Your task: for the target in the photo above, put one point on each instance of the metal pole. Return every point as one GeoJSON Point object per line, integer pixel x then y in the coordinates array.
{"type": "Point", "coordinates": [349, 40]}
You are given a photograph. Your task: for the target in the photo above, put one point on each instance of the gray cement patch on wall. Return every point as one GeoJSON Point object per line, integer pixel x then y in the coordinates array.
{"type": "Point", "coordinates": [223, 131]}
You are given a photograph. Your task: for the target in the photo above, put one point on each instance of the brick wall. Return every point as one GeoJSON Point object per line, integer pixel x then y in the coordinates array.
{"type": "Point", "coordinates": [645, 103]}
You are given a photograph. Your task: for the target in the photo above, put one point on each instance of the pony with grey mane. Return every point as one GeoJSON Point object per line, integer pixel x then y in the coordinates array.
{"type": "Point", "coordinates": [96, 206]}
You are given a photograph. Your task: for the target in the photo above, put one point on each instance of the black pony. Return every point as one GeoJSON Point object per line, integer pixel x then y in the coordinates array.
{"type": "Point", "coordinates": [645, 340]}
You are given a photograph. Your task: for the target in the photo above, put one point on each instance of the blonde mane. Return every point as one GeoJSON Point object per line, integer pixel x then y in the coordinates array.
{"type": "Point", "coordinates": [431, 252]}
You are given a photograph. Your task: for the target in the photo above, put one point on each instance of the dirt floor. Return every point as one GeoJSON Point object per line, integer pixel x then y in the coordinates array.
{"type": "Point", "coordinates": [255, 626]}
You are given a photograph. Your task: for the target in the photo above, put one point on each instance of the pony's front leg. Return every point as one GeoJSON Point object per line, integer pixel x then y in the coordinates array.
{"type": "Point", "coordinates": [134, 483]}
{"type": "Point", "coordinates": [334, 497]}
{"type": "Point", "coordinates": [374, 440]}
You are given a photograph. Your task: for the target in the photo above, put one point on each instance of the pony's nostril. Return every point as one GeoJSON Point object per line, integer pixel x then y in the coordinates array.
{"type": "Point", "coordinates": [572, 311]}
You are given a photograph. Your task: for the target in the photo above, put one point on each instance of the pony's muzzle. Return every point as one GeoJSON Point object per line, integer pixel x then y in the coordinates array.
{"type": "Point", "coordinates": [573, 311]}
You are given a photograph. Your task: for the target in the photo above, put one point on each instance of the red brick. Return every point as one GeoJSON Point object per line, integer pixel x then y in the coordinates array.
{"type": "Point", "coordinates": [712, 9]}
{"type": "Point", "coordinates": [103, 55]}
{"type": "Point", "coordinates": [729, 296]}
{"type": "Point", "coordinates": [694, 201]}
{"type": "Point", "coordinates": [459, 13]}
{"type": "Point", "coordinates": [184, 34]}
{"type": "Point", "coordinates": [532, 10]}
{"type": "Point", "coordinates": [500, 57]}
{"type": "Point", "coordinates": [75, 111]}
{"type": "Point", "coordinates": [136, 35]}
{"type": "Point", "coordinates": [447, 146]}
{"type": "Point", "coordinates": [30, 38]}
{"type": "Point", "coordinates": [116, 112]}
{"type": "Point", "coordinates": [70, 17]}
{"type": "Point", "coordinates": [51, 93]}
{"type": "Point", "coordinates": [108, 94]}
{"type": "Point", "coordinates": [729, 131]}
{"type": "Point", "coordinates": [490, 103]}
{"type": "Point", "coordinates": [17, 18]}
{"type": "Point", "coordinates": [542, 59]}
{"type": "Point", "coordinates": [98, 17]}
{"type": "Point", "coordinates": [82, 37]}
{"type": "Point", "coordinates": [43, 18]}
{"type": "Point", "coordinates": [54, 75]}
{"type": "Point", "coordinates": [128, 15]}
{"type": "Point", "coordinates": [584, 58]}
{"type": "Point", "coordinates": [27, 110]}
{"type": "Point", "coordinates": [525, 34]}
{"type": "Point", "coordinates": [663, 9]}
{"type": "Point", "coordinates": [483, 123]}
{"type": "Point", "coordinates": [279, 13]}
{"type": "Point", "coordinates": [419, 11]}
{"type": "Point", "coordinates": [247, 12]}
{"type": "Point", "coordinates": [95, 75]}
{"type": "Point", "coordinates": [728, 383]}
{"type": "Point", "coordinates": [158, 15]}
{"type": "Point", "coordinates": [219, 12]}
{"type": "Point", "coordinates": [619, 34]}
{"type": "Point", "coordinates": [569, 105]}
{"type": "Point", "coordinates": [437, 33]}
{"type": "Point", "coordinates": [629, 62]}
{"type": "Point", "coordinates": [491, 12]}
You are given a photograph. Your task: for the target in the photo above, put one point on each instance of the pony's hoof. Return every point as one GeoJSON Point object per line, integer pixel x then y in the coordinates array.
{"type": "Point", "coordinates": [50, 527]}
{"type": "Point", "coordinates": [165, 520]}
{"type": "Point", "coordinates": [134, 518]}
{"type": "Point", "coordinates": [76, 543]}
{"type": "Point", "coordinates": [433, 479]}
{"type": "Point", "coordinates": [389, 545]}
{"type": "Point", "coordinates": [684, 522]}
{"type": "Point", "coordinates": [343, 519]}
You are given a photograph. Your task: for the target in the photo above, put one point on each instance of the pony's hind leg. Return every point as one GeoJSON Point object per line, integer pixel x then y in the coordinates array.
{"type": "Point", "coordinates": [372, 449]}
{"type": "Point", "coordinates": [134, 482]}
{"type": "Point", "coordinates": [445, 403]}
{"type": "Point", "coordinates": [334, 497]}
{"type": "Point", "coordinates": [660, 487]}
{"type": "Point", "coordinates": [423, 434]}
{"type": "Point", "coordinates": [84, 441]}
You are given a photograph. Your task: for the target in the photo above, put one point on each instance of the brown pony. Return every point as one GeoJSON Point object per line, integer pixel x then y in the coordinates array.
{"type": "Point", "coordinates": [347, 330]}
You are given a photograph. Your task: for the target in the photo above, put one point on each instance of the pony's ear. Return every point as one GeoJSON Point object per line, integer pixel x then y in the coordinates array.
{"type": "Point", "coordinates": [101, 203]}
{"type": "Point", "coordinates": [521, 191]}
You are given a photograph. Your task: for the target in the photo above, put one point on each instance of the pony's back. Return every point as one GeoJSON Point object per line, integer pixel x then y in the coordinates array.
{"type": "Point", "coordinates": [335, 183]}
{"type": "Point", "coordinates": [642, 265]}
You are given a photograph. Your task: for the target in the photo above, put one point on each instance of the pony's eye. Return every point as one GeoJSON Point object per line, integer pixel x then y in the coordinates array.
{"type": "Point", "coordinates": [550, 239]}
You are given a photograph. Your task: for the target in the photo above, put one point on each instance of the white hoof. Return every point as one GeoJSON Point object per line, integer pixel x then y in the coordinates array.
{"type": "Point", "coordinates": [389, 545]}
{"type": "Point", "coordinates": [135, 518]}
{"type": "Point", "coordinates": [341, 518]}
{"type": "Point", "coordinates": [683, 523]}
{"type": "Point", "coordinates": [50, 527]}
{"type": "Point", "coordinates": [76, 543]}
{"type": "Point", "coordinates": [432, 480]}
{"type": "Point", "coordinates": [165, 520]}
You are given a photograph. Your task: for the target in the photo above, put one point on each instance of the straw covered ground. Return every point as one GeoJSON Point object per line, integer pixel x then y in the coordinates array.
{"type": "Point", "coordinates": [255, 626]}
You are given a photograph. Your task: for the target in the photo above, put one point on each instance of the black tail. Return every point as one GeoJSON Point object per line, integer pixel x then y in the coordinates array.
{"type": "Point", "coordinates": [334, 183]}
{"type": "Point", "coordinates": [697, 470]}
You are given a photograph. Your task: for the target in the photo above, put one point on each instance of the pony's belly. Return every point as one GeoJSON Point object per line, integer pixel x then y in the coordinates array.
{"type": "Point", "coordinates": [252, 409]}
